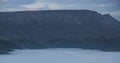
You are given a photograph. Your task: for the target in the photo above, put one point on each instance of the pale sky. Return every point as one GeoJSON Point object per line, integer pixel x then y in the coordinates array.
{"type": "Point", "coordinates": [101, 6]}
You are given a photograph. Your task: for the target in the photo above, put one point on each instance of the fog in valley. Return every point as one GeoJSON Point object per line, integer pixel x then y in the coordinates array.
{"type": "Point", "coordinates": [60, 56]}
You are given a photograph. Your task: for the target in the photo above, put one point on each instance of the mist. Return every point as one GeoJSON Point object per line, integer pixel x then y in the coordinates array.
{"type": "Point", "coordinates": [60, 56]}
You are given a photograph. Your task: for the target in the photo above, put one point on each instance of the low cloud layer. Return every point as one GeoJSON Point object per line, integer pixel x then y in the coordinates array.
{"type": "Point", "coordinates": [61, 56]}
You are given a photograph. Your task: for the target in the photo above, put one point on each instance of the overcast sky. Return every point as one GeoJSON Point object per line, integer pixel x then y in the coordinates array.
{"type": "Point", "coordinates": [102, 6]}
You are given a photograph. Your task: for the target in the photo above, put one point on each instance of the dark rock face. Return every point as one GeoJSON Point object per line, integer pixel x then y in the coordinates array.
{"type": "Point", "coordinates": [59, 29]}
{"type": "Point", "coordinates": [6, 46]}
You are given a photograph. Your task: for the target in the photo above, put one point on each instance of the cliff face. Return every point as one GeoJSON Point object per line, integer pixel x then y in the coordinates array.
{"type": "Point", "coordinates": [61, 27]}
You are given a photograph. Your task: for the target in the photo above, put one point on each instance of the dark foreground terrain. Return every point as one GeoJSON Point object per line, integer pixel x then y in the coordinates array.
{"type": "Point", "coordinates": [58, 29]}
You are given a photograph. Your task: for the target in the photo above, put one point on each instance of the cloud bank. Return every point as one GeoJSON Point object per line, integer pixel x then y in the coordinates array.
{"type": "Point", "coordinates": [54, 5]}
{"type": "Point", "coordinates": [61, 56]}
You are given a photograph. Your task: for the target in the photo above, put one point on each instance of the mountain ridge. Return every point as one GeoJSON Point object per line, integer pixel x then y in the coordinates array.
{"type": "Point", "coordinates": [59, 29]}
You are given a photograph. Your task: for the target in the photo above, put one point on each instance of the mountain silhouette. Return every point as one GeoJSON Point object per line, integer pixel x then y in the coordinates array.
{"type": "Point", "coordinates": [58, 29]}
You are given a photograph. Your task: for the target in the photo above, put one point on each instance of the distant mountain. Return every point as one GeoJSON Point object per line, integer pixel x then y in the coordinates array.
{"type": "Point", "coordinates": [59, 29]}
